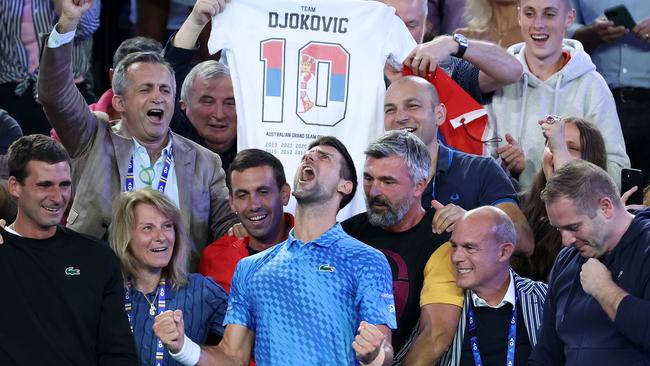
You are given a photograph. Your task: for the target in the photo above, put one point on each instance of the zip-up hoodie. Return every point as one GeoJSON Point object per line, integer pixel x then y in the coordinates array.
{"type": "Point", "coordinates": [576, 330]}
{"type": "Point", "coordinates": [577, 90]}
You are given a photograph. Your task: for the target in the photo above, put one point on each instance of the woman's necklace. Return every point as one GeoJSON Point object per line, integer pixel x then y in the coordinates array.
{"type": "Point", "coordinates": [152, 304]}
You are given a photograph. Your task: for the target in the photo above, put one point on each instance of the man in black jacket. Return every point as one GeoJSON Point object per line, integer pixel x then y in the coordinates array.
{"type": "Point", "coordinates": [63, 291]}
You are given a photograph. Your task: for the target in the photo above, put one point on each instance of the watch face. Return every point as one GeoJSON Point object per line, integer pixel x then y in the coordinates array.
{"type": "Point", "coordinates": [462, 44]}
{"type": "Point", "coordinates": [460, 39]}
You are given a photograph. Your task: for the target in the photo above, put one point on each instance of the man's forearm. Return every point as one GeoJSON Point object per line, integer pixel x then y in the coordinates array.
{"type": "Point", "coordinates": [609, 298]}
{"type": "Point", "coordinates": [66, 24]}
{"type": "Point", "coordinates": [425, 351]}
{"type": "Point", "coordinates": [214, 355]}
{"type": "Point", "coordinates": [187, 35]}
{"type": "Point", "coordinates": [497, 67]}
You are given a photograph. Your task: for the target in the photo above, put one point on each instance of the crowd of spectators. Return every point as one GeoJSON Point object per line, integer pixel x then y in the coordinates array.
{"type": "Point", "coordinates": [141, 232]}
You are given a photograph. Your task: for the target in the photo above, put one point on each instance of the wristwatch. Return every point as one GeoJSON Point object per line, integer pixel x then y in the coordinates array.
{"type": "Point", "coordinates": [462, 45]}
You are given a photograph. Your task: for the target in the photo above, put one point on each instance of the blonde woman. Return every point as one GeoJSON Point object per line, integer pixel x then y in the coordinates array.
{"type": "Point", "coordinates": [147, 235]}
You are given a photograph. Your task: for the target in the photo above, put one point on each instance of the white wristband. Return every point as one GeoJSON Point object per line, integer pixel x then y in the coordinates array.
{"type": "Point", "coordinates": [189, 354]}
{"type": "Point", "coordinates": [379, 360]}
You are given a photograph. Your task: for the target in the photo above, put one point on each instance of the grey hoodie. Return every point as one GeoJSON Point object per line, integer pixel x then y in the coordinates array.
{"type": "Point", "coordinates": [577, 90]}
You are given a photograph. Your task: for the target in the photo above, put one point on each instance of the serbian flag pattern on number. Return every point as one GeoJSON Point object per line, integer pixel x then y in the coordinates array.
{"type": "Point", "coordinates": [467, 121]}
{"type": "Point", "coordinates": [323, 83]}
{"type": "Point", "coordinates": [272, 53]}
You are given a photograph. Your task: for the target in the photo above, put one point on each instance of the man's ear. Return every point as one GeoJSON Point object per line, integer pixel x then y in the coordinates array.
{"type": "Point", "coordinates": [571, 16]}
{"type": "Point", "coordinates": [606, 206]}
{"type": "Point", "coordinates": [13, 186]}
{"type": "Point", "coordinates": [505, 252]}
{"type": "Point", "coordinates": [285, 193]}
{"type": "Point", "coordinates": [420, 187]}
{"type": "Point", "coordinates": [344, 187]}
{"type": "Point", "coordinates": [182, 105]}
{"type": "Point", "coordinates": [230, 203]}
{"type": "Point", "coordinates": [440, 112]}
{"type": "Point", "coordinates": [118, 103]}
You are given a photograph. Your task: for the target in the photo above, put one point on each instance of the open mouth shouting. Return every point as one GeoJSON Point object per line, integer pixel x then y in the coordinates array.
{"type": "Point", "coordinates": [155, 114]}
{"type": "Point", "coordinates": [307, 174]}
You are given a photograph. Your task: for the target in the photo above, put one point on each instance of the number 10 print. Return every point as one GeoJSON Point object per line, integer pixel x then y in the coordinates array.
{"type": "Point", "coordinates": [322, 82]}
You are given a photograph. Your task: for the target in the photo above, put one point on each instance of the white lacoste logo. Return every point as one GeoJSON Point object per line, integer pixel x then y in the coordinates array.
{"type": "Point", "coordinates": [71, 271]}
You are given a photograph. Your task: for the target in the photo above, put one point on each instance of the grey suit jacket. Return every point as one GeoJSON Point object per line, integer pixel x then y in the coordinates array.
{"type": "Point", "coordinates": [101, 156]}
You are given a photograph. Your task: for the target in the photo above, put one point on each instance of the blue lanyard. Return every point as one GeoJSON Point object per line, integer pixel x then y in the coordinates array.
{"type": "Point", "coordinates": [160, 349]}
{"type": "Point", "coordinates": [512, 335]}
{"type": "Point", "coordinates": [130, 185]}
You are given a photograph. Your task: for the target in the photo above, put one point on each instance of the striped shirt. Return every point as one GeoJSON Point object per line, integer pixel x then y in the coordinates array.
{"type": "Point", "coordinates": [531, 295]}
{"type": "Point", "coordinates": [14, 60]}
{"type": "Point", "coordinates": [203, 303]}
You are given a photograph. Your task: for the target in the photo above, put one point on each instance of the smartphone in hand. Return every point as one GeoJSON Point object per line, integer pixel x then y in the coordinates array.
{"type": "Point", "coordinates": [620, 16]}
{"type": "Point", "coordinates": [629, 179]}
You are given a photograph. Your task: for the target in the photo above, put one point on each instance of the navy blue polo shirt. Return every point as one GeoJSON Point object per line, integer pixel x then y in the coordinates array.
{"type": "Point", "coordinates": [468, 181]}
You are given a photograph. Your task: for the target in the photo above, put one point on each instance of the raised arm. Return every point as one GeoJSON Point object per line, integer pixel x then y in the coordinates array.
{"type": "Point", "coordinates": [89, 22]}
{"type": "Point", "coordinates": [201, 14]}
{"type": "Point", "coordinates": [180, 51]}
{"type": "Point", "coordinates": [64, 106]}
{"type": "Point", "coordinates": [496, 67]}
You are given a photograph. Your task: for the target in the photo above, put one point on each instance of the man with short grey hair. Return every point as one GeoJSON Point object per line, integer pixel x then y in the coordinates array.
{"type": "Point", "coordinates": [600, 284]}
{"type": "Point", "coordinates": [395, 175]}
{"type": "Point", "coordinates": [206, 101]}
{"type": "Point", "coordinates": [139, 151]}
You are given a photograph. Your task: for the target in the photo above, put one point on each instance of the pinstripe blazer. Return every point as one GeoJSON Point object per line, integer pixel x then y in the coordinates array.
{"type": "Point", "coordinates": [101, 154]}
{"type": "Point", "coordinates": [531, 295]}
